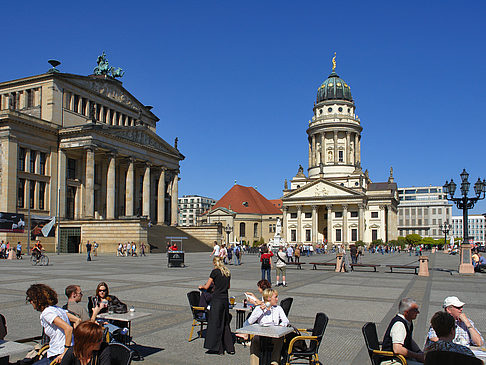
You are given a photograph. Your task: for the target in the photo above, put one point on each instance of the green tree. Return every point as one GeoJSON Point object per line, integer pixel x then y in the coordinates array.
{"type": "Point", "coordinates": [377, 242]}
{"type": "Point", "coordinates": [359, 243]}
{"type": "Point", "coordinates": [402, 241]}
{"type": "Point", "coordinates": [413, 239]}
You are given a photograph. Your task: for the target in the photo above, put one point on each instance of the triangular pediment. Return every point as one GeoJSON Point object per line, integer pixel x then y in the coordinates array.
{"type": "Point", "coordinates": [221, 211]}
{"type": "Point", "coordinates": [143, 137]}
{"type": "Point", "coordinates": [322, 188]}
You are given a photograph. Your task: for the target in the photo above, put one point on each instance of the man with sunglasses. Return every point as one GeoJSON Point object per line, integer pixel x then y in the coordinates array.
{"type": "Point", "coordinates": [398, 336]}
{"type": "Point", "coordinates": [466, 333]}
{"type": "Point", "coordinates": [74, 295]}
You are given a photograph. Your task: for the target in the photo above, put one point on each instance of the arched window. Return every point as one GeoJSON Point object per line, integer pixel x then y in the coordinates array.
{"type": "Point", "coordinates": [242, 229]}
{"type": "Point", "coordinates": [255, 230]}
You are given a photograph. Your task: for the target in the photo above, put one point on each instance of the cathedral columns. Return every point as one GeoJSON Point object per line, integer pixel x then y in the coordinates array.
{"type": "Point", "coordinates": [329, 223]}
{"type": "Point", "coordinates": [361, 227]}
{"type": "Point", "coordinates": [146, 191]}
{"type": "Point", "coordinates": [90, 166]}
{"type": "Point", "coordinates": [355, 148]}
{"type": "Point", "coordinates": [359, 149]}
{"type": "Point", "coordinates": [110, 187]}
{"type": "Point", "coordinates": [314, 224]}
{"type": "Point", "coordinates": [62, 184]}
{"type": "Point", "coordinates": [345, 223]}
{"type": "Point", "coordinates": [323, 149]}
{"type": "Point", "coordinates": [299, 224]}
{"type": "Point", "coordinates": [336, 159]}
{"type": "Point", "coordinates": [348, 148]}
{"type": "Point", "coordinates": [310, 152]}
{"type": "Point", "coordinates": [313, 150]}
{"type": "Point", "coordinates": [161, 198]}
{"type": "Point", "coordinates": [284, 223]}
{"type": "Point", "coordinates": [174, 199]}
{"type": "Point", "coordinates": [129, 189]}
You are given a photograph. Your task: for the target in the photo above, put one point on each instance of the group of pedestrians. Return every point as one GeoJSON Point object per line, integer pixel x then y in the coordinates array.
{"type": "Point", "coordinates": [6, 248]}
{"type": "Point", "coordinates": [130, 249]}
{"type": "Point", "coordinates": [230, 255]}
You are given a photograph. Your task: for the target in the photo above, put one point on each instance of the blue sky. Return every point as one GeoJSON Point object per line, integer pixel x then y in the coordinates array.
{"type": "Point", "coordinates": [236, 81]}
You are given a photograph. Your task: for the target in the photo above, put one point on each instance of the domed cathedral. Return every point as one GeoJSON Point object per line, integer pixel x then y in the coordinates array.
{"type": "Point", "coordinates": [337, 203]}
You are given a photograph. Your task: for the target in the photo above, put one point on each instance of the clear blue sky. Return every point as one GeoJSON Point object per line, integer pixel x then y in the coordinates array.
{"type": "Point", "coordinates": [236, 81]}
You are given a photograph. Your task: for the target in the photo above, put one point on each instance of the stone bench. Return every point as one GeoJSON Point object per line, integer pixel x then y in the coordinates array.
{"type": "Point", "coordinates": [364, 265]}
{"type": "Point", "coordinates": [298, 264]}
{"type": "Point", "coordinates": [414, 267]}
{"type": "Point", "coordinates": [315, 264]}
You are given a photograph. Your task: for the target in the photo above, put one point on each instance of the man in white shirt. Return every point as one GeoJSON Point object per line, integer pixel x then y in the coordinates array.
{"type": "Point", "coordinates": [280, 266]}
{"type": "Point", "coordinates": [216, 250]}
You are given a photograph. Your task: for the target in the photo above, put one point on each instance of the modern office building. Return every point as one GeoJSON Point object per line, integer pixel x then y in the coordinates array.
{"type": "Point", "coordinates": [422, 211]}
{"type": "Point", "coordinates": [84, 150]}
{"type": "Point", "coordinates": [476, 227]}
{"type": "Point", "coordinates": [191, 207]}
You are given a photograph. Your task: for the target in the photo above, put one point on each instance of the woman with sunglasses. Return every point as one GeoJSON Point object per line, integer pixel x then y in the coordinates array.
{"type": "Point", "coordinates": [109, 302]}
{"type": "Point", "coordinates": [89, 347]}
{"type": "Point", "coordinates": [54, 320]}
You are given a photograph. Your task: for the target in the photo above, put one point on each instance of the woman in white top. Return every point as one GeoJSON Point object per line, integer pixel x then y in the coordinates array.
{"type": "Point", "coordinates": [270, 314]}
{"type": "Point", "coordinates": [54, 320]}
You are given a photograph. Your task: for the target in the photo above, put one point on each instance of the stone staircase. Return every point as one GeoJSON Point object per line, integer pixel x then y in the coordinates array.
{"type": "Point", "coordinates": [156, 237]}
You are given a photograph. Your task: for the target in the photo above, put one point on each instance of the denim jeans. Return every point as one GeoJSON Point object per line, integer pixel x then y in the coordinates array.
{"type": "Point", "coordinates": [267, 271]}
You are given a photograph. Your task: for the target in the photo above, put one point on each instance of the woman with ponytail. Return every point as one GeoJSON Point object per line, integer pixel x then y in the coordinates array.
{"type": "Point", "coordinates": [218, 335]}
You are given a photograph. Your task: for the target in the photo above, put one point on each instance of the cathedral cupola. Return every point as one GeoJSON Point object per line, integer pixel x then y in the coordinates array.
{"type": "Point", "coordinates": [334, 87]}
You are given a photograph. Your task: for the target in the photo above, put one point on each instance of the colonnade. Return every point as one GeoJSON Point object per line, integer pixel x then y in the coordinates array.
{"type": "Point", "coordinates": [317, 149]}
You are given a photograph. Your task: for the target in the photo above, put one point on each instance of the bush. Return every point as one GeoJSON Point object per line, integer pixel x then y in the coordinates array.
{"type": "Point", "coordinates": [377, 242]}
{"type": "Point", "coordinates": [359, 243]}
{"type": "Point", "coordinates": [413, 239]}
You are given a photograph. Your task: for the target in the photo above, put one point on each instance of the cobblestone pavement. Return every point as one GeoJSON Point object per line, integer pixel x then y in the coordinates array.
{"type": "Point", "coordinates": [349, 299]}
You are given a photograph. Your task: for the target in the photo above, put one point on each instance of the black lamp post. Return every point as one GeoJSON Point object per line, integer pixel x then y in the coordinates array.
{"type": "Point", "coordinates": [463, 202]}
{"type": "Point", "coordinates": [228, 230]}
{"type": "Point", "coordinates": [446, 227]}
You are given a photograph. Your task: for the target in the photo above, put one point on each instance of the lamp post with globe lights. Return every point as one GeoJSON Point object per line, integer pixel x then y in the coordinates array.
{"type": "Point", "coordinates": [228, 229]}
{"type": "Point", "coordinates": [445, 228]}
{"type": "Point", "coordinates": [465, 203]}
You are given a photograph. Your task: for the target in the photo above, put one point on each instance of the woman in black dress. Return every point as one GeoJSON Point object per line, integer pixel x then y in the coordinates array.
{"type": "Point", "coordinates": [218, 335]}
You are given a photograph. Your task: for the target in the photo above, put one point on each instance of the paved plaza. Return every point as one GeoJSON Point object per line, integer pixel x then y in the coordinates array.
{"type": "Point", "coordinates": [349, 299]}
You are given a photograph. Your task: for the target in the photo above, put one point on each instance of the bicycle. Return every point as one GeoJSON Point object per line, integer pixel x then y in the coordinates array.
{"type": "Point", "coordinates": [40, 259]}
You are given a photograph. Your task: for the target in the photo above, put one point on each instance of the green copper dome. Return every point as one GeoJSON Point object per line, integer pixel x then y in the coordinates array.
{"type": "Point", "coordinates": [334, 88]}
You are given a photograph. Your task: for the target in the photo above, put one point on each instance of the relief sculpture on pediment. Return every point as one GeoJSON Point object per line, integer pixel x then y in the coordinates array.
{"type": "Point", "coordinates": [142, 138]}
{"type": "Point", "coordinates": [112, 92]}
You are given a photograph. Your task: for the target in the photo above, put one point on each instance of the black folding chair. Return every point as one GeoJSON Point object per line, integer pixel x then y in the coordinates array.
{"type": "Point", "coordinates": [450, 358]}
{"type": "Point", "coordinates": [300, 350]}
{"type": "Point", "coordinates": [286, 304]}
{"type": "Point", "coordinates": [120, 354]}
{"type": "Point", "coordinates": [373, 346]}
{"type": "Point", "coordinates": [199, 315]}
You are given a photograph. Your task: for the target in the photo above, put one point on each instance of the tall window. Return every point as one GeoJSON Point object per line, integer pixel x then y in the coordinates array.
{"type": "Point", "coordinates": [242, 229]}
{"type": "Point", "coordinates": [374, 234]}
{"type": "Point", "coordinates": [307, 235]}
{"type": "Point", "coordinates": [255, 230]}
{"type": "Point", "coordinates": [32, 193]}
{"type": "Point", "coordinates": [341, 156]}
{"type": "Point", "coordinates": [30, 98]}
{"type": "Point", "coordinates": [354, 234]}
{"type": "Point", "coordinates": [71, 168]}
{"type": "Point", "coordinates": [76, 103]}
{"type": "Point", "coordinates": [21, 163]}
{"type": "Point", "coordinates": [33, 154]}
{"type": "Point", "coordinates": [42, 193]}
{"type": "Point", "coordinates": [42, 163]}
{"type": "Point", "coordinates": [338, 235]}
{"type": "Point", "coordinates": [293, 235]}
{"type": "Point", "coordinates": [21, 193]}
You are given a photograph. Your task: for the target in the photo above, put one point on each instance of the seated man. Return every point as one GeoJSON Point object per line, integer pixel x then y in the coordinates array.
{"type": "Point", "coordinates": [444, 326]}
{"type": "Point", "coordinates": [74, 295]}
{"type": "Point", "coordinates": [479, 262]}
{"type": "Point", "coordinates": [398, 336]}
{"type": "Point", "coordinates": [466, 333]}
{"type": "Point", "coordinates": [270, 315]}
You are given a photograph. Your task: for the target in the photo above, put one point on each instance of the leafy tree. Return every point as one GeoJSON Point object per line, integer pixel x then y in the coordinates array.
{"type": "Point", "coordinates": [359, 243]}
{"type": "Point", "coordinates": [413, 239]}
{"type": "Point", "coordinates": [377, 242]}
{"type": "Point", "coordinates": [402, 241]}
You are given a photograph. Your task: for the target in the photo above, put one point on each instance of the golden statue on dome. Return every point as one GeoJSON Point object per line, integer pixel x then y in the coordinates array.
{"type": "Point", "coordinates": [334, 62]}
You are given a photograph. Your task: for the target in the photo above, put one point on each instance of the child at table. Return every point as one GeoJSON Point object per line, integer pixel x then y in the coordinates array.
{"type": "Point", "coordinates": [270, 315]}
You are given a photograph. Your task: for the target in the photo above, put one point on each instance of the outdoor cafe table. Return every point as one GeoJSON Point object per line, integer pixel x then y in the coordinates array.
{"type": "Point", "coordinates": [124, 317]}
{"type": "Point", "coordinates": [10, 348]}
{"type": "Point", "coordinates": [266, 333]}
{"type": "Point", "coordinates": [241, 313]}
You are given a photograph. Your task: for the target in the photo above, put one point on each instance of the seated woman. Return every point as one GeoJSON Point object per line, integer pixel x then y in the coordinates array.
{"type": "Point", "coordinates": [89, 347]}
{"type": "Point", "coordinates": [109, 303]}
{"type": "Point", "coordinates": [270, 315]}
{"type": "Point", "coordinates": [54, 320]}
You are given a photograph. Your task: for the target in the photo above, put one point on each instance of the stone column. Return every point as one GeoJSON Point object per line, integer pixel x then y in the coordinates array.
{"type": "Point", "coordinates": [310, 152]}
{"type": "Point", "coordinates": [345, 224]}
{"type": "Point", "coordinates": [361, 227]}
{"type": "Point", "coordinates": [359, 149]}
{"type": "Point", "coordinates": [383, 223]}
{"type": "Point", "coordinates": [336, 159]}
{"type": "Point", "coordinates": [299, 224]}
{"type": "Point", "coordinates": [284, 222]}
{"type": "Point", "coordinates": [329, 223]}
{"type": "Point", "coordinates": [161, 198]}
{"type": "Point", "coordinates": [323, 148]}
{"type": "Point", "coordinates": [174, 199]}
{"type": "Point", "coordinates": [89, 182]}
{"type": "Point", "coordinates": [356, 148]}
{"type": "Point", "coordinates": [62, 185]}
{"type": "Point", "coordinates": [146, 191]}
{"type": "Point", "coordinates": [313, 150]}
{"type": "Point", "coordinates": [314, 223]}
{"type": "Point", "coordinates": [111, 187]}
{"type": "Point", "coordinates": [348, 149]}
{"type": "Point", "coordinates": [129, 188]}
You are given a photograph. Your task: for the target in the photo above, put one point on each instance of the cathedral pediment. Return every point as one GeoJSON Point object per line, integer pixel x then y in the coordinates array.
{"type": "Point", "coordinates": [321, 188]}
{"type": "Point", "coordinates": [145, 138]}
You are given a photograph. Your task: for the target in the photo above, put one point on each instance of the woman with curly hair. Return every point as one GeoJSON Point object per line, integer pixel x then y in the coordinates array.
{"type": "Point", "coordinates": [89, 347]}
{"type": "Point", "coordinates": [218, 337]}
{"type": "Point", "coordinates": [54, 320]}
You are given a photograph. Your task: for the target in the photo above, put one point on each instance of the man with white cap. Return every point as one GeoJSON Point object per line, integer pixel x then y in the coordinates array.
{"type": "Point", "coordinates": [466, 333]}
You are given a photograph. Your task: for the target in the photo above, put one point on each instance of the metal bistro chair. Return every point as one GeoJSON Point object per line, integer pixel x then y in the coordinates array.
{"type": "Point", "coordinates": [199, 315]}
{"type": "Point", "coordinates": [373, 346]}
{"type": "Point", "coordinates": [120, 354]}
{"type": "Point", "coordinates": [308, 352]}
{"type": "Point", "coordinates": [286, 304]}
{"type": "Point", "coordinates": [450, 358]}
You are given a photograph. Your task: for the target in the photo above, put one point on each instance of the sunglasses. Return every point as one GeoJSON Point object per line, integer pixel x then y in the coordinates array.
{"type": "Point", "coordinates": [103, 290]}
{"type": "Point", "coordinates": [458, 308]}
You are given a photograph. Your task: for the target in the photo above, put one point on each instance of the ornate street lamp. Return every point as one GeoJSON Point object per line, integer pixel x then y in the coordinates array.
{"type": "Point", "coordinates": [445, 228]}
{"type": "Point", "coordinates": [228, 230]}
{"type": "Point", "coordinates": [465, 203]}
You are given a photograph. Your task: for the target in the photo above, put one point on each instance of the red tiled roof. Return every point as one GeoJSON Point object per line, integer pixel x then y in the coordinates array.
{"type": "Point", "coordinates": [277, 202]}
{"type": "Point", "coordinates": [256, 202]}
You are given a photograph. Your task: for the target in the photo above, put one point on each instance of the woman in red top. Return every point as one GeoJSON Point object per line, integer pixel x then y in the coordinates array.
{"type": "Point", "coordinates": [266, 260]}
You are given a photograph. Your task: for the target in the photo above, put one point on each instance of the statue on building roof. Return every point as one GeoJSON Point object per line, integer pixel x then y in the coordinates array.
{"type": "Point", "coordinates": [105, 69]}
{"type": "Point", "coordinates": [334, 62]}
{"type": "Point", "coordinates": [176, 140]}
{"type": "Point", "coordinates": [286, 185]}
{"type": "Point", "coordinates": [301, 169]}
{"type": "Point", "coordinates": [390, 179]}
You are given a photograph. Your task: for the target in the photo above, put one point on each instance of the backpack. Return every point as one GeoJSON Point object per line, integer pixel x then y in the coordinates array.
{"type": "Point", "coordinates": [265, 263]}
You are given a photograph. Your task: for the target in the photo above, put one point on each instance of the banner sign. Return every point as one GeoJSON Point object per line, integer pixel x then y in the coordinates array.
{"type": "Point", "coordinates": [12, 222]}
